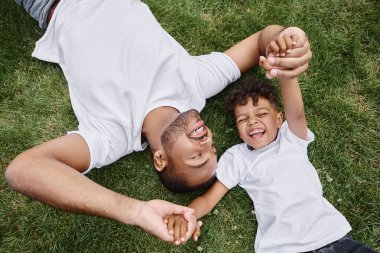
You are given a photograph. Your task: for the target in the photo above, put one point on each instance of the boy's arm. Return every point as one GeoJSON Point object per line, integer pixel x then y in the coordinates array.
{"type": "Point", "coordinates": [293, 106]}
{"type": "Point", "coordinates": [206, 202]}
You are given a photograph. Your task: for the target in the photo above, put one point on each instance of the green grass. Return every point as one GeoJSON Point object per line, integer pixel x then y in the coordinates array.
{"type": "Point", "coordinates": [341, 90]}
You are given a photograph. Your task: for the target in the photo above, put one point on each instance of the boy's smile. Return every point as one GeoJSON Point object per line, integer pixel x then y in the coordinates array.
{"type": "Point", "coordinates": [257, 124]}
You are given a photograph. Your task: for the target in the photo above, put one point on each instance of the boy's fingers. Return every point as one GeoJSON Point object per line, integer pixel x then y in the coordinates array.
{"type": "Point", "coordinates": [300, 51]}
{"type": "Point", "coordinates": [197, 231]}
{"type": "Point", "coordinates": [289, 62]}
{"type": "Point", "coordinates": [268, 75]}
{"type": "Point", "coordinates": [288, 74]}
{"type": "Point", "coordinates": [170, 225]}
{"type": "Point", "coordinates": [263, 62]}
{"type": "Point", "coordinates": [177, 231]}
{"type": "Point", "coordinates": [183, 230]}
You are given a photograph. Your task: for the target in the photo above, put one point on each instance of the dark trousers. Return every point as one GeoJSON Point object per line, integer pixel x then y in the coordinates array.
{"type": "Point", "coordinates": [344, 245]}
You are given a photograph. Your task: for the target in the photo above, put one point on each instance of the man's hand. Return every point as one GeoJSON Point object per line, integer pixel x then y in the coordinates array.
{"type": "Point", "coordinates": [151, 214]}
{"type": "Point", "coordinates": [181, 229]}
{"type": "Point", "coordinates": [296, 59]}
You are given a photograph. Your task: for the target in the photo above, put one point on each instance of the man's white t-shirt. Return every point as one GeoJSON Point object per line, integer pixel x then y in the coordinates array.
{"type": "Point", "coordinates": [291, 212]}
{"type": "Point", "coordinates": [120, 64]}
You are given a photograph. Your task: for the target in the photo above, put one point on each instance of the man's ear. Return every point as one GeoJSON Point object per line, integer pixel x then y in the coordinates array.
{"type": "Point", "coordinates": [159, 160]}
{"type": "Point", "coordinates": [279, 119]}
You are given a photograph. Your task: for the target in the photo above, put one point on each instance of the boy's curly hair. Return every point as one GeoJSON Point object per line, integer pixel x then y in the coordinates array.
{"type": "Point", "coordinates": [240, 93]}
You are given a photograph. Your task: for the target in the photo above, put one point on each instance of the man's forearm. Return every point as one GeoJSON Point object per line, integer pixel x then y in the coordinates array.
{"type": "Point", "coordinates": [246, 53]}
{"type": "Point", "coordinates": [58, 185]}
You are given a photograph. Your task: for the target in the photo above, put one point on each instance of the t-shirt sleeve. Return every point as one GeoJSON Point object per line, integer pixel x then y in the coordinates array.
{"type": "Point", "coordinates": [214, 72]}
{"type": "Point", "coordinates": [228, 170]}
{"type": "Point", "coordinates": [291, 137]}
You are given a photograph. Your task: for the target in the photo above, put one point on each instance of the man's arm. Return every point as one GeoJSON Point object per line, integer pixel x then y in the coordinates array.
{"type": "Point", "coordinates": [246, 53]}
{"type": "Point", "coordinates": [51, 173]}
{"type": "Point", "coordinates": [293, 106]}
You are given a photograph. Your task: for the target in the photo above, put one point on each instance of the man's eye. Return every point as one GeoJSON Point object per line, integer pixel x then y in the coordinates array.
{"type": "Point", "coordinates": [197, 156]}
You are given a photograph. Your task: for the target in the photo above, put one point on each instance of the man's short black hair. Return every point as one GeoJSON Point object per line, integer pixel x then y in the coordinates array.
{"type": "Point", "coordinates": [250, 88]}
{"type": "Point", "coordinates": [176, 182]}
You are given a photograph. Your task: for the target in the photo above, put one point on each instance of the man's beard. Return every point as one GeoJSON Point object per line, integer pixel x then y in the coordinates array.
{"type": "Point", "coordinates": [178, 127]}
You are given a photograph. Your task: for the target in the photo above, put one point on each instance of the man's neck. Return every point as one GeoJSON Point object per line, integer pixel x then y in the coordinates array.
{"type": "Point", "coordinates": [155, 122]}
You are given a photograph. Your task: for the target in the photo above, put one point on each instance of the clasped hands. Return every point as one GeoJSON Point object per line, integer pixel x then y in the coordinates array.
{"type": "Point", "coordinates": [288, 56]}
{"type": "Point", "coordinates": [182, 228]}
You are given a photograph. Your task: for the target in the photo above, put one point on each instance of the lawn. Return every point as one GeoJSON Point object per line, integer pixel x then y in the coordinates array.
{"type": "Point", "coordinates": [341, 91]}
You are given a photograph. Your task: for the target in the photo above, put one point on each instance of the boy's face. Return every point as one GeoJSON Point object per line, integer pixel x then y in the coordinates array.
{"type": "Point", "coordinates": [257, 124]}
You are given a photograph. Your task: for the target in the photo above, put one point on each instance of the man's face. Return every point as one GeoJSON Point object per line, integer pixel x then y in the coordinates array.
{"type": "Point", "coordinates": [192, 152]}
{"type": "Point", "coordinates": [257, 124]}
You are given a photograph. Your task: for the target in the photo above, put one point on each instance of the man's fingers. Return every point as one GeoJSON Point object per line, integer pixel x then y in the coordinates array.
{"type": "Point", "coordinates": [282, 45]}
{"type": "Point", "coordinates": [182, 209]}
{"type": "Point", "coordinates": [191, 226]}
{"type": "Point", "coordinates": [288, 74]}
{"type": "Point", "coordinates": [272, 48]}
{"type": "Point", "coordinates": [289, 44]}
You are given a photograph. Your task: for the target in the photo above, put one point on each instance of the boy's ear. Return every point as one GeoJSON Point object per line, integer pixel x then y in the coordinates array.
{"type": "Point", "coordinates": [279, 119]}
{"type": "Point", "coordinates": [159, 160]}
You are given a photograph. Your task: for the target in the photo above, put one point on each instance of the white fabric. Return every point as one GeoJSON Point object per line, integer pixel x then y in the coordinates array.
{"type": "Point", "coordinates": [120, 64]}
{"type": "Point", "coordinates": [292, 214]}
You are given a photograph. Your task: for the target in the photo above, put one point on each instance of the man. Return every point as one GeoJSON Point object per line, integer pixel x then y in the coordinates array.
{"type": "Point", "coordinates": [131, 84]}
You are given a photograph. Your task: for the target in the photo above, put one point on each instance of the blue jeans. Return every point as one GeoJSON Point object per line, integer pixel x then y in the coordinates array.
{"type": "Point", "coordinates": [38, 9]}
{"type": "Point", "coordinates": [344, 245]}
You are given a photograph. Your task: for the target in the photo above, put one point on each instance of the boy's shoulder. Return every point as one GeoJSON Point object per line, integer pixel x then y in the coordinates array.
{"type": "Point", "coordinates": [236, 150]}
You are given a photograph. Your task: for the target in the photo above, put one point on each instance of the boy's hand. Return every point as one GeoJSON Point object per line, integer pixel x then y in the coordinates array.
{"type": "Point", "coordinates": [182, 229]}
{"type": "Point", "coordinates": [288, 56]}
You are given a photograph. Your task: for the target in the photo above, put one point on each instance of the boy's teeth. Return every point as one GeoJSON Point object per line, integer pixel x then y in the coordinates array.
{"type": "Point", "coordinates": [256, 131]}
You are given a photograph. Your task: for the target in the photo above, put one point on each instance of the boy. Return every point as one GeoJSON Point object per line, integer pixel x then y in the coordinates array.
{"type": "Point", "coordinates": [273, 167]}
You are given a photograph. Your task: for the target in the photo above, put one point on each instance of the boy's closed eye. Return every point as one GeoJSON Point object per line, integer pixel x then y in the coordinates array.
{"type": "Point", "coordinates": [241, 120]}
{"type": "Point", "coordinates": [261, 115]}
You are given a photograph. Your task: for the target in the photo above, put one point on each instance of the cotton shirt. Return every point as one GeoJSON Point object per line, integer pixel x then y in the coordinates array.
{"type": "Point", "coordinates": [120, 64]}
{"type": "Point", "coordinates": [292, 214]}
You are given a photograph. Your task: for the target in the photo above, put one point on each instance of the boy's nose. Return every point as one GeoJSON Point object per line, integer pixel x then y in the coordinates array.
{"type": "Point", "coordinates": [252, 121]}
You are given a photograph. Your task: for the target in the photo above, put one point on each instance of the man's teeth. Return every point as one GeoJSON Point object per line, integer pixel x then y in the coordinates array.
{"type": "Point", "coordinates": [198, 130]}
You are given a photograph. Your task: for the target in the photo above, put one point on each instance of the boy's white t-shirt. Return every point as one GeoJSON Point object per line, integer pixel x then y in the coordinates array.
{"type": "Point", "coordinates": [291, 212]}
{"type": "Point", "coordinates": [120, 64]}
